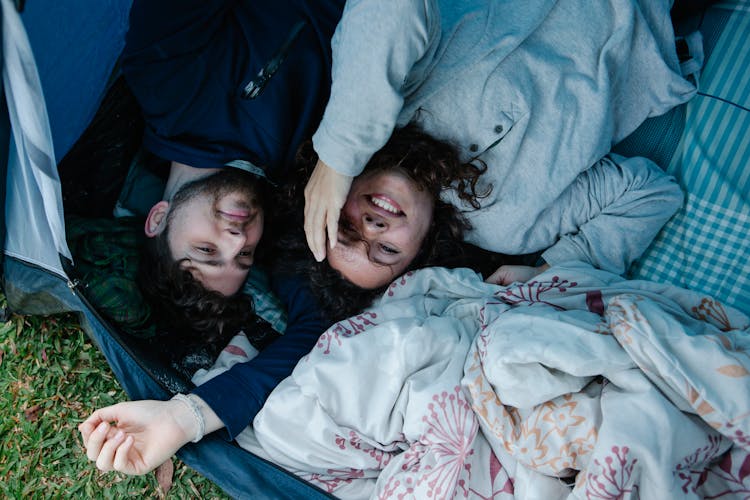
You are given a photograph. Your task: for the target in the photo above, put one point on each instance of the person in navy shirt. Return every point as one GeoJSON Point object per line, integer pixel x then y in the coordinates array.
{"type": "Point", "coordinates": [228, 90]}
{"type": "Point", "coordinates": [220, 81]}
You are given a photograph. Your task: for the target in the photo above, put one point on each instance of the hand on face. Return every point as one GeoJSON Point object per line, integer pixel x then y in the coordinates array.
{"type": "Point", "coordinates": [134, 437]}
{"type": "Point", "coordinates": [384, 222]}
{"type": "Point", "coordinates": [325, 195]}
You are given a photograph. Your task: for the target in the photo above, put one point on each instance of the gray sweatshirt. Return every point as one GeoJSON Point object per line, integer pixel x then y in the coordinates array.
{"type": "Point", "coordinates": [537, 89]}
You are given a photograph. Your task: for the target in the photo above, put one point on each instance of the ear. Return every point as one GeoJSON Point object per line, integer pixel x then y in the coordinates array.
{"type": "Point", "coordinates": [156, 220]}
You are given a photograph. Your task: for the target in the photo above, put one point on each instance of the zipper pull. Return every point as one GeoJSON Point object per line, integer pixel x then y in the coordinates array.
{"type": "Point", "coordinates": [257, 84]}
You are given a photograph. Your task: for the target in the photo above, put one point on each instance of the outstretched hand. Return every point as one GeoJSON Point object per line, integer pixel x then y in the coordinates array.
{"type": "Point", "coordinates": [134, 437]}
{"type": "Point", "coordinates": [505, 275]}
{"type": "Point", "coordinates": [325, 195]}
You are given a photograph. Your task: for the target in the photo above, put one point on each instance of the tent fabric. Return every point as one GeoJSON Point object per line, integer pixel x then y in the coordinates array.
{"type": "Point", "coordinates": [709, 232]}
{"type": "Point", "coordinates": [33, 183]}
{"type": "Point", "coordinates": [77, 46]}
{"type": "Point", "coordinates": [4, 149]}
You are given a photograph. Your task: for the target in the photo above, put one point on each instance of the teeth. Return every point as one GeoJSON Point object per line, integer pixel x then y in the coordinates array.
{"type": "Point", "coordinates": [384, 205]}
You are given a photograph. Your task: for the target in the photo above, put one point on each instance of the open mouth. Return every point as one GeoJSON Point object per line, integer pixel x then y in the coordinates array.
{"type": "Point", "coordinates": [386, 204]}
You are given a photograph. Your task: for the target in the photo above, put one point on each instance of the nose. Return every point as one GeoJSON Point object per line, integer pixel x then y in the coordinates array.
{"type": "Point", "coordinates": [234, 237]}
{"type": "Point", "coordinates": [373, 224]}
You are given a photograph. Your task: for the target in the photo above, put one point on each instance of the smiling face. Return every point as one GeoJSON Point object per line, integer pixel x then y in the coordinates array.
{"type": "Point", "coordinates": [213, 228]}
{"type": "Point", "coordinates": [382, 225]}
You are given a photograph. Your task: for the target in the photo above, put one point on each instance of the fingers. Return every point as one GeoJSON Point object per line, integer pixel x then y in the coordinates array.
{"type": "Point", "coordinates": [325, 195]}
{"type": "Point", "coordinates": [105, 460]}
{"type": "Point", "coordinates": [313, 219]}
{"type": "Point", "coordinates": [96, 440]}
{"type": "Point", "coordinates": [106, 415]}
{"type": "Point", "coordinates": [87, 427]}
{"type": "Point", "coordinates": [497, 276]}
{"type": "Point", "coordinates": [109, 448]}
{"type": "Point", "coordinates": [101, 441]}
{"type": "Point", "coordinates": [506, 275]}
{"type": "Point", "coordinates": [122, 455]}
{"type": "Point", "coordinates": [332, 223]}
{"type": "Point", "coordinates": [315, 232]}
{"type": "Point", "coordinates": [317, 211]}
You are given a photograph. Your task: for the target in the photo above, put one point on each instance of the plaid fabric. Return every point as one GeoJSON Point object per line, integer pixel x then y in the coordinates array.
{"type": "Point", "coordinates": [267, 305]}
{"type": "Point", "coordinates": [106, 261]}
{"type": "Point", "coordinates": [706, 246]}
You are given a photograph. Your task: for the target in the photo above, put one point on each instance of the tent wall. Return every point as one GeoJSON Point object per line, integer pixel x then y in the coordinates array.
{"type": "Point", "coordinates": [4, 142]}
{"type": "Point", "coordinates": [33, 203]}
{"type": "Point", "coordinates": [31, 290]}
{"type": "Point", "coordinates": [76, 45]}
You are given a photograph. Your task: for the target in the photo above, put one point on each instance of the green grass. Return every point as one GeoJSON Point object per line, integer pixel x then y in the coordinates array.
{"type": "Point", "coordinates": [51, 378]}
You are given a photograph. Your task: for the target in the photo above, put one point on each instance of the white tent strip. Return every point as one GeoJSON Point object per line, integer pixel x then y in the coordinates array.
{"type": "Point", "coordinates": [34, 211]}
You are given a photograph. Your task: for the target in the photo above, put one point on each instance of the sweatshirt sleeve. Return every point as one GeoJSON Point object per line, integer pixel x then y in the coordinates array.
{"type": "Point", "coordinates": [238, 394]}
{"type": "Point", "coordinates": [611, 213]}
{"type": "Point", "coordinates": [374, 48]}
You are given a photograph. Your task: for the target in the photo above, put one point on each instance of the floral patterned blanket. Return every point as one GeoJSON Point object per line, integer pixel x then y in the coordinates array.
{"type": "Point", "coordinates": [579, 384]}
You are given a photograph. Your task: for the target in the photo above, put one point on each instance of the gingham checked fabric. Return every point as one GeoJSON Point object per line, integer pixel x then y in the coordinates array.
{"type": "Point", "coordinates": [706, 245]}
{"type": "Point", "coordinates": [706, 248]}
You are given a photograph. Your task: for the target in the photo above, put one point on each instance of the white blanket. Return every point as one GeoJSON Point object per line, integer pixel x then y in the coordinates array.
{"type": "Point", "coordinates": [578, 384]}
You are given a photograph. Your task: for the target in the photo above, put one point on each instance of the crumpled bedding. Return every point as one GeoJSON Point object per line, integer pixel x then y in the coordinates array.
{"type": "Point", "coordinates": [579, 384]}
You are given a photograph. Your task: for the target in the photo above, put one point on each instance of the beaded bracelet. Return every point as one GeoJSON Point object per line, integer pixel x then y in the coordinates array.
{"type": "Point", "coordinates": [196, 413]}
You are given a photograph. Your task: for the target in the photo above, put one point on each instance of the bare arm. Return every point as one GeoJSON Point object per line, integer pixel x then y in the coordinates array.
{"type": "Point", "coordinates": [135, 437]}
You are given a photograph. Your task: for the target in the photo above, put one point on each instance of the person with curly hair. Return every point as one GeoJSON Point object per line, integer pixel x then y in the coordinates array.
{"type": "Point", "coordinates": [395, 221]}
{"type": "Point", "coordinates": [405, 206]}
{"type": "Point", "coordinates": [217, 83]}
{"type": "Point", "coordinates": [412, 167]}
{"type": "Point", "coordinates": [538, 90]}
{"type": "Point", "coordinates": [225, 149]}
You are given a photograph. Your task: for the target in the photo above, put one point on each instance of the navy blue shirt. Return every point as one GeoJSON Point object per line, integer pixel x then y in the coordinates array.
{"type": "Point", "coordinates": [238, 394]}
{"type": "Point", "coordinates": [189, 61]}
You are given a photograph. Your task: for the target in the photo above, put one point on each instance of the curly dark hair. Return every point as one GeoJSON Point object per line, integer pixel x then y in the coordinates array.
{"type": "Point", "coordinates": [200, 316]}
{"type": "Point", "coordinates": [182, 307]}
{"type": "Point", "coordinates": [434, 165]}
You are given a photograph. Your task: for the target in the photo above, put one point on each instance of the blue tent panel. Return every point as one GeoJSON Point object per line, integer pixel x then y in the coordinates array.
{"type": "Point", "coordinates": [76, 46]}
